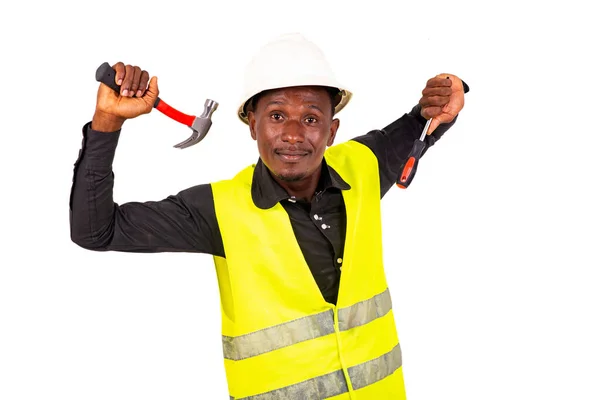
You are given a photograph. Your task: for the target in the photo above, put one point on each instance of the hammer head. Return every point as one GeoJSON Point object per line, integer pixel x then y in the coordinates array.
{"type": "Point", "coordinates": [200, 126]}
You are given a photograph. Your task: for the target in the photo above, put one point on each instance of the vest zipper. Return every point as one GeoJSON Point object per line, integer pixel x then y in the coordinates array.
{"type": "Point", "coordinates": [336, 327]}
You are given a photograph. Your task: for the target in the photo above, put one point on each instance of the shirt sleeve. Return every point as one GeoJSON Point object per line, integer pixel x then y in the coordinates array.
{"type": "Point", "coordinates": [392, 144]}
{"type": "Point", "coordinates": [183, 222]}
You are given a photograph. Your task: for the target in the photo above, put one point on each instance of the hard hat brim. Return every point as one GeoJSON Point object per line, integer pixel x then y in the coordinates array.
{"type": "Point", "coordinates": [346, 95]}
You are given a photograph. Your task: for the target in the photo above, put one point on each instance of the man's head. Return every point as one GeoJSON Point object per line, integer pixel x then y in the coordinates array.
{"type": "Point", "coordinates": [290, 98]}
{"type": "Point", "coordinates": [293, 126]}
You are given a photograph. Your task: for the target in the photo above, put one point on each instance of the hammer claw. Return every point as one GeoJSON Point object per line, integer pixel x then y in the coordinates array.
{"type": "Point", "coordinates": [192, 140]}
{"type": "Point", "coordinates": [200, 126]}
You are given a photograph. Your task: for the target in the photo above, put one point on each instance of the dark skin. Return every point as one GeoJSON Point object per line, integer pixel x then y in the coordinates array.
{"type": "Point", "coordinates": [113, 109]}
{"type": "Point", "coordinates": [292, 126]}
{"type": "Point", "coordinates": [442, 99]}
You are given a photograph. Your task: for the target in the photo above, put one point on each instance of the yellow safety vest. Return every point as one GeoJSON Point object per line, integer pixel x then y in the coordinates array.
{"type": "Point", "coordinates": [281, 339]}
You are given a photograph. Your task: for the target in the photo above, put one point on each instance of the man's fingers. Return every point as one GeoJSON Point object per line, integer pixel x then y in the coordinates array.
{"type": "Point", "coordinates": [126, 85]}
{"type": "Point", "coordinates": [132, 79]}
{"type": "Point", "coordinates": [134, 99]}
{"type": "Point", "coordinates": [442, 100]}
{"type": "Point", "coordinates": [434, 101]}
{"type": "Point", "coordinates": [438, 81]}
{"type": "Point", "coordinates": [143, 83]}
{"type": "Point", "coordinates": [437, 94]}
{"type": "Point", "coordinates": [135, 83]}
{"type": "Point", "coordinates": [437, 91]}
{"type": "Point", "coordinates": [431, 112]}
{"type": "Point", "coordinates": [119, 72]}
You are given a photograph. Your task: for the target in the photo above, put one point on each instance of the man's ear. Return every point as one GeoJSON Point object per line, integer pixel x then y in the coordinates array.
{"type": "Point", "coordinates": [252, 124]}
{"type": "Point", "coordinates": [335, 124]}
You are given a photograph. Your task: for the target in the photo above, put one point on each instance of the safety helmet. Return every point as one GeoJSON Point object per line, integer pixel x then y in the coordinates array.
{"type": "Point", "coordinates": [289, 60]}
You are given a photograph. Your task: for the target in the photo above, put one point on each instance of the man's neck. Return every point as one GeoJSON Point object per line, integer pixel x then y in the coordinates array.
{"type": "Point", "coordinates": [303, 189]}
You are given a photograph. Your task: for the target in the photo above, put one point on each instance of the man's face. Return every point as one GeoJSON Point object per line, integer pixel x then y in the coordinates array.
{"type": "Point", "coordinates": [293, 127]}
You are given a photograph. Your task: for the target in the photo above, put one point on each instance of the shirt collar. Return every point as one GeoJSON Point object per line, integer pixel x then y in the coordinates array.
{"type": "Point", "coordinates": [266, 192]}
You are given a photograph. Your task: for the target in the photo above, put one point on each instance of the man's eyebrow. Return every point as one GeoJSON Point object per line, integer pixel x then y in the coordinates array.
{"type": "Point", "coordinates": [274, 102]}
{"type": "Point", "coordinates": [316, 107]}
{"type": "Point", "coordinates": [279, 102]}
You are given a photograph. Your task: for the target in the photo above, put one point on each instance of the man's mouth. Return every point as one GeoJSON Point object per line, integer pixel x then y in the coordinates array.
{"type": "Point", "coordinates": [291, 155]}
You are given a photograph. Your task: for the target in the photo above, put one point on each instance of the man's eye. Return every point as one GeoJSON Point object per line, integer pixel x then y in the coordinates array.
{"type": "Point", "coordinates": [311, 120]}
{"type": "Point", "coordinates": [276, 116]}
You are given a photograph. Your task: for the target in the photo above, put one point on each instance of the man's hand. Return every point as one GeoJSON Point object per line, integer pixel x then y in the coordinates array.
{"type": "Point", "coordinates": [443, 98]}
{"type": "Point", "coordinates": [136, 98]}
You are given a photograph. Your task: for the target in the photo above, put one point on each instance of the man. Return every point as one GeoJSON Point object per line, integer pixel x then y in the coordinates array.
{"type": "Point", "coordinates": [296, 237]}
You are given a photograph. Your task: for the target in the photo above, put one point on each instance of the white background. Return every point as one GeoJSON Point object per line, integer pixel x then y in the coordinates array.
{"type": "Point", "coordinates": [491, 255]}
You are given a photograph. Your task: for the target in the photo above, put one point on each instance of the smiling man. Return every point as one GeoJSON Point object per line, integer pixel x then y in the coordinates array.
{"type": "Point", "coordinates": [296, 237]}
{"type": "Point", "coordinates": [295, 125]}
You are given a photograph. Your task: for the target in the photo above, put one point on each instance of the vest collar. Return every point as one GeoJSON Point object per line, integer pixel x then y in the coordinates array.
{"type": "Point", "coordinates": [266, 192]}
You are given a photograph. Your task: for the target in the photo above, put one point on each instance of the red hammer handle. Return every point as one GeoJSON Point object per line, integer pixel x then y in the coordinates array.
{"type": "Point", "coordinates": [170, 112]}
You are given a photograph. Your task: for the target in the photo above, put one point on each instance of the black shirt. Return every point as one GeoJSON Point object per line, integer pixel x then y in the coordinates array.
{"type": "Point", "coordinates": [186, 221]}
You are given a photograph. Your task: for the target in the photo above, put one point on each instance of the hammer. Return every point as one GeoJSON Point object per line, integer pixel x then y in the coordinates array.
{"type": "Point", "coordinates": [199, 125]}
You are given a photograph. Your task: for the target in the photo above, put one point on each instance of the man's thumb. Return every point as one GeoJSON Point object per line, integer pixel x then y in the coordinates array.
{"type": "Point", "coordinates": [152, 92]}
{"type": "Point", "coordinates": [435, 122]}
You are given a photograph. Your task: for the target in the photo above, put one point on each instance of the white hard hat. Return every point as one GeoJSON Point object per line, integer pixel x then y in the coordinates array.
{"type": "Point", "coordinates": [289, 60]}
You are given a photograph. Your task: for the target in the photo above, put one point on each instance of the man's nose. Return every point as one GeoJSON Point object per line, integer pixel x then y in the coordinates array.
{"type": "Point", "coordinates": [293, 132]}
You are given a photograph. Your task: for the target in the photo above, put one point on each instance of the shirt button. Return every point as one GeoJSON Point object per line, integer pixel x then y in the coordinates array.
{"type": "Point", "coordinates": [324, 226]}
{"type": "Point", "coordinates": [316, 217]}
{"type": "Point", "coordinates": [339, 260]}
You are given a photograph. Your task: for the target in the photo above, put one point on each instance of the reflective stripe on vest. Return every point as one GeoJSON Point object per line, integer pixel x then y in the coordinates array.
{"type": "Point", "coordinates": [273, 338]}
{"type": "Point", "coordinates": [310, 327]}
{"type": "Point", "coordinates": [334, 384]}
{"type": "Point", "coordinates": [366, 311]}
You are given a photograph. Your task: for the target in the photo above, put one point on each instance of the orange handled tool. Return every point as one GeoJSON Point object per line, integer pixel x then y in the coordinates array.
{"type": "Point", "coordinates": [409, 169]}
